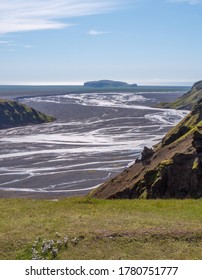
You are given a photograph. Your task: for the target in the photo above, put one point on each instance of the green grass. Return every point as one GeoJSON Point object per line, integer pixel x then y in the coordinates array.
{"type": "Point", "coordinates": [105, 229]}
{"type": "Point", "coordinates": [188, 100]}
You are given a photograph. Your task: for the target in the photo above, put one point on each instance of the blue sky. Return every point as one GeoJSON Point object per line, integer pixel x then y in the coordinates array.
{"type": "Point", "coordinates": [151, 42]}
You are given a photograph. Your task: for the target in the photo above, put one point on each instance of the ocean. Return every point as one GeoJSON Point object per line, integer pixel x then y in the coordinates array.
{"type": "Point", "coordinates": [95, 137]}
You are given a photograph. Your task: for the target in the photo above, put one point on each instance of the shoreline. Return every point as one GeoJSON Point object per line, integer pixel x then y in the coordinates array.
{"type": "Point", "coordinates": [38, 91]}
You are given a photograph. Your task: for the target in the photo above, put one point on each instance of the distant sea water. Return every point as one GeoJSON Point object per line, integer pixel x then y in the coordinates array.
{"type": "Point", "coordinates": [96, 136]}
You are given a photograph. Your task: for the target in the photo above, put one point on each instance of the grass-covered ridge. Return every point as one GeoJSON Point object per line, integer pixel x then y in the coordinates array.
{"type": "Point", "coordinates": [83, 228]}
{"type": "Point", "coordinates": [14, 114]}
{"type": "Point", "coordinates": [188, 101]}
{"type": "Point", "coordinates": [189, 124]}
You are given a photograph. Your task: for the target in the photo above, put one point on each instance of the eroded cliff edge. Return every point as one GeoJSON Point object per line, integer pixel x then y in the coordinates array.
{"type": "Point", "coordinates": [172, 169]}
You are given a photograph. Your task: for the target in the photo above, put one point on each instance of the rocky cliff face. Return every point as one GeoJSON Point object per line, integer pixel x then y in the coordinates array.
{"type": "Point", "coordinates": [173, 169]}
{"type": "Point", "coordinates": [188, 101]}
{"type": "Point", "coordinates": [14, 114]}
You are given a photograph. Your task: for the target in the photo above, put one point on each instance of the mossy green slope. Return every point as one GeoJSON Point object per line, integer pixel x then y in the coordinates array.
{"type": "Point", "coordinates": [188, 101]}
{"type": "Point", "coordinates": [14, 114]}
{"type": "Point", "coordinates": [188, 125]}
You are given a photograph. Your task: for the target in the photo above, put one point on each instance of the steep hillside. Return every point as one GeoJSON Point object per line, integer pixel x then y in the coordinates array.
{"type": "Point", "coordinates": [188, 100]}
{"type": "Point", "coordinates": [172, 169]}
{"type": "Point", "coordinates": [14, 114]}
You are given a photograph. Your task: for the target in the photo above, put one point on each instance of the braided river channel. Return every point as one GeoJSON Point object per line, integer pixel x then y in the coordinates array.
{"type": "Point", "coordinates": [96, 136]}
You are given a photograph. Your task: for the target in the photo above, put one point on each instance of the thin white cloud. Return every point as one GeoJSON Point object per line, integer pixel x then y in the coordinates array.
{"type": "Point", "coordinates": [12, 45]}
{"type": "Point", "coordinates": [28, 46]}
{"type": "Point", "coordinates": [190, 2]}
{"type": "Point", "coordinates": [24, 15]}
{"type": "Point", "coordinates": [96, 33]}
{"type": "Point", "coordinates": [7, 43]}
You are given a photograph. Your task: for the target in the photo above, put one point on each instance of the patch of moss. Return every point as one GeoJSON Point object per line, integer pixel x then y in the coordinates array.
{"type": "Point", "coordinates": [141, 189]}
{"type": "Point", "coordinates": [195, 165]}
{"type": "Point", "coordinates": [151, 176]}
{"type": "Point", "coordinates": [166, 162]}
{"type": "Point", "coordinates": [158, 179]}
{"type": "Point", "coordinates": [27, 108]}
{"type": "Point", "coordinates": [185, 127]}
{"type": "Point", "coordinates": [189, 132]}
{"type": "Point", "coordinates": [143, 195]}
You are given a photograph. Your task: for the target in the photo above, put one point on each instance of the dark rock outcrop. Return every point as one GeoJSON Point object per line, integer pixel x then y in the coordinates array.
{"type": "Point", "coordinates": [197, 142]}
{"type": "Point", "coordinates": [13, 114]}
{"type": "Point", "coordinates": [146, 153]}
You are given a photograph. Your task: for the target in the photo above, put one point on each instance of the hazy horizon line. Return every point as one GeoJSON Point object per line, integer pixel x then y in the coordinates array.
{"type": "Point", "coordinates": [140, 83]}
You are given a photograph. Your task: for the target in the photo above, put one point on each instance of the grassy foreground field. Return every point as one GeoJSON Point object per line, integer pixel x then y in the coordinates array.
{"type": "Point", "coordinates": [83, 228]}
